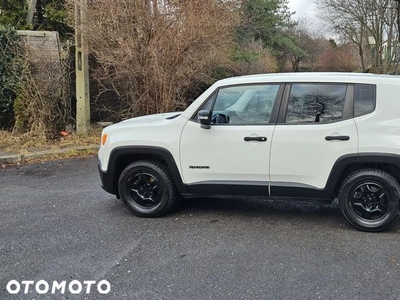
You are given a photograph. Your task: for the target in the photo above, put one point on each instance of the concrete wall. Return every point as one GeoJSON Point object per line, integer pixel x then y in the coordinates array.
{"type": "Point", "coordinates": [42, 45]}
{"type": "Point", "coordinates": [42, 51]}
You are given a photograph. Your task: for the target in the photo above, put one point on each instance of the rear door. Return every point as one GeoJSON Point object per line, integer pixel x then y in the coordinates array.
{"type": "Point", "coordinates": [315, 128]}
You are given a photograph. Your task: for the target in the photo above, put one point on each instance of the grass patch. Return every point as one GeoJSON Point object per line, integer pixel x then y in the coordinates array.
{"type": "Point", "coordinates": [27, 142]}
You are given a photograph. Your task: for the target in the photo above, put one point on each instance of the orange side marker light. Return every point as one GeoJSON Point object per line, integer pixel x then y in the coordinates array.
{"type": "Point", "coordinates": [103, 139]}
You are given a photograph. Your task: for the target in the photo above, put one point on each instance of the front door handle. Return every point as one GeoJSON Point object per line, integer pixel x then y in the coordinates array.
{"type": "Point", "coordinates": [255, 138]}
{"type": "Point", "coordinates": [337, 138]}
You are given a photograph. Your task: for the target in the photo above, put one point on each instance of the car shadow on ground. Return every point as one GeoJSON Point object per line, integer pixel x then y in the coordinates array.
{"type": "Point", "coordinates": [258, 206]}
{"type": "Point", "coordinates": [307, 212]}
{"type": "Point", "coordinates": [293, 212]}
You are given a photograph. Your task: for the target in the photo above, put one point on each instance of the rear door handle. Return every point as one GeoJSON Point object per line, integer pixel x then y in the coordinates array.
{"type": "Point", "coordinates": [337, 138]}
{"type": "Point", "coordinates": [255, 138]}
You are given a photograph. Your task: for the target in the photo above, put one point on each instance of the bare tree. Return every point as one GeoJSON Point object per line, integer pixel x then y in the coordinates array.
{"type": "Point", "coordinates": [310, 41]}
{"type": "Point", "coordinates": [370, 24]}
{"type": "Point", "coordinates": [151, 54]}
{"type": "Point", "coordinates": [342, 58]}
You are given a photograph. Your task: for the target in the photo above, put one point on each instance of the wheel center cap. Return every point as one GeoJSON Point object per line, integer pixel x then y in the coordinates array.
{"type": "Point", "coordinates": [146, 189]}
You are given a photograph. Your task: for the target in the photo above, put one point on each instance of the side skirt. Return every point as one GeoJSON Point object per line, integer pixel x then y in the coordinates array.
{"type": "Point", "coordinates": [257, 188]}
{"type": "Point", "coordinates": [240, 188]}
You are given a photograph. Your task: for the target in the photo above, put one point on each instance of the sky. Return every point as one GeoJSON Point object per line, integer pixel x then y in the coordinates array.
{"type": "Point", "coordinates": [303, 8]}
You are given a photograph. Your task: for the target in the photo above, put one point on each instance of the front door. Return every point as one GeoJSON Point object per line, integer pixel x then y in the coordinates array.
{"type": "Point", "coordinates": [232, 156]}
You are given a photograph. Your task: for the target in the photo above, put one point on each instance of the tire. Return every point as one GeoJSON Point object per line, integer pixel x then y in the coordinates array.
{"type": "Point", "coordinates": [369, 199]}
{"type": "Point", "coordinates": [147, 189]}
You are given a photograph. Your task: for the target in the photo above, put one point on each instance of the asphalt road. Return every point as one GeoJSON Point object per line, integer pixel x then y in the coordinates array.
{"type": "Point", "coordinates": [57, 224]}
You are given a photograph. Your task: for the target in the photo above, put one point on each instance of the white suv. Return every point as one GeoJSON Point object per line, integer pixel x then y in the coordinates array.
{"type": "Point", "coordinates": [302, 135]}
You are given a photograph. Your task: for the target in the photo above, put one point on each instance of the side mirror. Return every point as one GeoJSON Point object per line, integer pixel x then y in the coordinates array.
{"type": "Point", "coordinates": [204, 117]}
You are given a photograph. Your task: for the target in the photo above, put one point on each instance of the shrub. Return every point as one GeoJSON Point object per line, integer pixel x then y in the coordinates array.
{"type": "Point", "coordinates": [8, 76]}
{"type": "Point", "coordinates": [254, 59]}
{"type": "Point", "coordinates": [152, 55]}
{"type": "Point", "coordinates": [43, 102]}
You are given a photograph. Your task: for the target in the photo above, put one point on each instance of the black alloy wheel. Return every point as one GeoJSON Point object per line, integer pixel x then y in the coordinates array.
{"type": "Point", "coordinates": [147, 189]}
{"type": "Point", "coordinates": [369, 199]}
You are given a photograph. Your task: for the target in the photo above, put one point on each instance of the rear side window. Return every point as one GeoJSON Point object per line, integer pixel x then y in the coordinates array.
{"type": "Point", "coordinates": [316, 103]}
{"type": "Point", "coordinates": [364, 99]}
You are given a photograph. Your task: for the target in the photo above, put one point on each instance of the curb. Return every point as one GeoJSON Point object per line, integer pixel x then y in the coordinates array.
{"type": "Point", "coordinates": [18, 158]}
{"type": "Point", "coordinates": [10, 159]}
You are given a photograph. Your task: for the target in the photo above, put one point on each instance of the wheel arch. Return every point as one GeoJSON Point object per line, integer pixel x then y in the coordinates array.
{"type": "Point", "coordinates": [121, 157]}
{"type": "Point", "coordinates": [348, 164]}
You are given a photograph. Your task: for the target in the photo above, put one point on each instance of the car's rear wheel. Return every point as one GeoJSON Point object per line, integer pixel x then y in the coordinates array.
{"type": "Point", "coordinates": [147, 189]}
{"type": "Point", "coordinates": [369, 199]}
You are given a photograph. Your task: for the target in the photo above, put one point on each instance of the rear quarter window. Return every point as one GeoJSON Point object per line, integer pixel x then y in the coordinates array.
{"type": "Point", "coordinates": [364, 99]}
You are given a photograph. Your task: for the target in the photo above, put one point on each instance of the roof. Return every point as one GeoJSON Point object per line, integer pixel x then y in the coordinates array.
{"type": "Point", "coordinates": [367, 78]}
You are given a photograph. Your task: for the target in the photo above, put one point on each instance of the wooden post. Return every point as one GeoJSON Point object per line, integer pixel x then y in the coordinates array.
{"type": "Point", "coordinates": [82, 69]}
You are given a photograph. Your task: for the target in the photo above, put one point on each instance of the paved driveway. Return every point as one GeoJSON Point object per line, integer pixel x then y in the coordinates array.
{"type": "Point", "coordinates": [57, 224]}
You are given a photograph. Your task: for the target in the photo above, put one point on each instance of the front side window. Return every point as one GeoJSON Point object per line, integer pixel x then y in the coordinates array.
{"type": "Point", "coordinates": [244, 105]}
{"type": "Point", "coordinates": [316, 103]}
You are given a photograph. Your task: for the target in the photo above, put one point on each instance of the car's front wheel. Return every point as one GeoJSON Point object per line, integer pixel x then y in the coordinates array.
{"type": "Point", "coordinates": [147, 189]}
{"type": "Point", "coordinates": [369, 199]}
